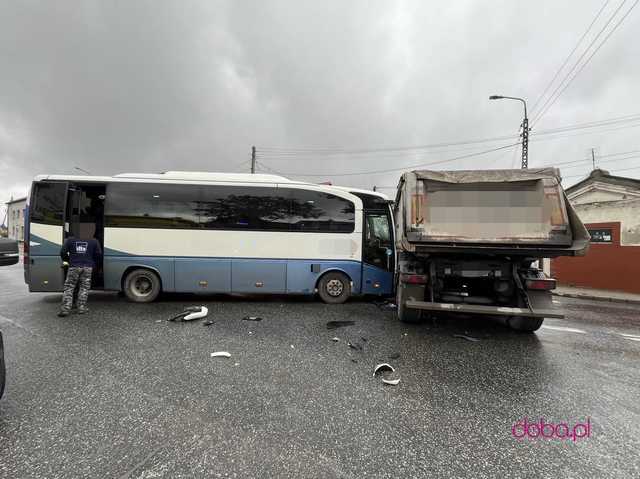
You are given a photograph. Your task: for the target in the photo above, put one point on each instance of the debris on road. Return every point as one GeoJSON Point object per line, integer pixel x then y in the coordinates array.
{"type": "Point", "coordinates": [220, 354]}
{"type": "Point", "coordinates": [382, 367]}
{"type": "Point", "coordinates": [335, 340]}
{"type": "Point", "coordinates": [252, 318]}
{"type": "Point", "coordinates": [468, 338]}
{"type": "Point", "coordinates": [356, 346]}
{"type": "Point", "coordinates": [292, 347]}
{"type": "Point", "coordinates": [208, 323]}
{"type": "Point", "coordinates": [190, 313]}
{"type": "Point", "coordinates": [197, 314]}
{"type": "Point", "coordinates": [391, 382]}
{"type": "Point", "coordinates": [385, 305]}
{"type": "Point", "coordinates": [339, 324]}
{"type": "Point", "coordinates": [394, 356]}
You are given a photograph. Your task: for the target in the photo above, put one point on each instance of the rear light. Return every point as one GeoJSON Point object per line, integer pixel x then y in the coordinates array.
{"type": "Point", "coordinates": [544, 284]}
{"type": "Point", "coordinates": [413, 278]}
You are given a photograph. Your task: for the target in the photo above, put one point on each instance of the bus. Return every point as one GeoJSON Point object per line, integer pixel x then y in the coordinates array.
{"type": "Point", "coordinates": [194, 232]}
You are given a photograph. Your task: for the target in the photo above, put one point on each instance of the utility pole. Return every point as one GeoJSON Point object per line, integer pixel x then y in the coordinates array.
{"type": "Point", "coordinates": [593, 158]}
{"type": "Point", "coordinates": [525, 128]}
{"type": "Point", "coordinates": [525, 140]}
{"type": "Point", "coordinates": [253, 160]}
{"type": "Point", "coordinates": [374, 187]}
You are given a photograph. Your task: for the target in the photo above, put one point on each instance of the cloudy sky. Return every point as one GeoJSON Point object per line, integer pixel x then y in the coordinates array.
{"type": "Point", "coordinates": [322, 88]}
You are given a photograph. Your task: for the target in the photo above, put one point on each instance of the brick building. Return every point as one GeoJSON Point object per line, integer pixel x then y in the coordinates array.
{"type": "Point", "coordinates": [609, 206]}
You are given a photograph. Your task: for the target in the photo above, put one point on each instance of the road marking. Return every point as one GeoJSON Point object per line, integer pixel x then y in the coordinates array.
{"type": "Point", "coordinates": [630, 337]}
{"type": "Point", "coordinates": [562, 328]}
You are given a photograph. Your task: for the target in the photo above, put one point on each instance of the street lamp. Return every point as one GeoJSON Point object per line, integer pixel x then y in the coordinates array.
{"type": "Point", "coordinates": [525, 128]}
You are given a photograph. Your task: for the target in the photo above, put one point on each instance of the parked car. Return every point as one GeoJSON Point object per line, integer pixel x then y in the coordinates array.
{"type": "Point", "coordinates": [472, 241]}
{"type": "Point", "coordinates": [2, 369]}
{"type": "Point", "coordinates": [9, 252]}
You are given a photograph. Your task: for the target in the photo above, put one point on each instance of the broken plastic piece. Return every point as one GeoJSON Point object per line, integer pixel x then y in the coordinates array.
{"type": "Point", "coordinates": [252, 318]}
{"type": "Point", "coordinates": [382, 367]}
{"type": "Point", "coordinates": [335, 340]}
{"type": "Point", "coordinates": [197, 314]}
{"type": "Point", "coordinates": [356, 346]}
{"type": "Point", "coordinates": [220, 354]}
{"type": "Point", "coordinates": [207, 323]}
{"type": "Point", "coordinates": [468, 338]}
{"type": "Point", "coordinates": [179, 316]}
{"type": "Point", "coordinates": [339, 324]}
{"type": "Point", "coordinates": [391, 382]}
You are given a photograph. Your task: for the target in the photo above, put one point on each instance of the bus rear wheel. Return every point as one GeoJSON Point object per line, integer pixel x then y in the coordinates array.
{"type": "Point", "coordinates": [334, 288]}
{"type": "Point", "coordinates": [142, 286]}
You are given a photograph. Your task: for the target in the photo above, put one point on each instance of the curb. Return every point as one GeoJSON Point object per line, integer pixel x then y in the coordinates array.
{"type": "Point", "coordinates": [597, 298]}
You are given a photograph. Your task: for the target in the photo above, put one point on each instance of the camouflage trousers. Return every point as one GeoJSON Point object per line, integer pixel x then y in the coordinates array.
{"type": "Point", "coordinates": [80, 277]}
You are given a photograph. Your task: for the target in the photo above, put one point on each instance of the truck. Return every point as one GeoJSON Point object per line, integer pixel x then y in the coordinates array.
{"type": "Point", "coordinates": [473, 242]}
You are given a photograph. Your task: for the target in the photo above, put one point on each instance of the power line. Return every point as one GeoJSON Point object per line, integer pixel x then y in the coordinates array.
{"type": "Point", "coordinates": [566, 60]}
{"type": "Point", "coordinates": [408, 167]}
{"type": "Point", "coordinates": [614, 171]}
{"type": "Point", "coordinates": [295, 152]}
{"type": "Point", "coordinates": [615, 27]}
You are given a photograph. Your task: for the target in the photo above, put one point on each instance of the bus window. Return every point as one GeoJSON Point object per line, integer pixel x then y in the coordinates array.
{"type": "Point", "coordinates": [321, 212]}
{"type": "Point", "coordinates": [48, 203]}
{"type": "Point", "coordinates": [147, 205]}
{"type": "Point", "coordinates": [244, 208]}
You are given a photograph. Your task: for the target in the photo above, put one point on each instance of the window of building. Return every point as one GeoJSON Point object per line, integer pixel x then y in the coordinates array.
{"type": "Point", "coordinates": [601, 235]}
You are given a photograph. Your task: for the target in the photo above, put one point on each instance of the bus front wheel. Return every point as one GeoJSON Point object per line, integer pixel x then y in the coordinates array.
{"type": "Point", "coordinates": [142, 286]}
{"type": "Point", "coordinates": [334, 288]}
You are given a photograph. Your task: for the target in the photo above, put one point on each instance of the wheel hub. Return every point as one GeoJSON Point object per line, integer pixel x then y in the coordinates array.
{"type": "Point", "coordinates": [334, 287]}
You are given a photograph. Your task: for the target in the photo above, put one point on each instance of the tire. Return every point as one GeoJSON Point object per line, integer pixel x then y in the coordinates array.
{"type": "Point", "coordinates": [404, 314]}
{"type": "Point", "coordinates": [524, 324]}
{"type": "Point", "coordinates": [142, 286]}
{"type": "Point", "coordinates": [334, 288]}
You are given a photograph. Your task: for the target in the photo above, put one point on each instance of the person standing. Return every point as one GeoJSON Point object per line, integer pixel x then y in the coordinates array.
{"type": "Point", "coordinates": [83, 255]}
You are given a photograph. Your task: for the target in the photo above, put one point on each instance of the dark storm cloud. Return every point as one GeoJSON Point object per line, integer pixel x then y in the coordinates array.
{"type": "Point", "coordinates": [151, 86]}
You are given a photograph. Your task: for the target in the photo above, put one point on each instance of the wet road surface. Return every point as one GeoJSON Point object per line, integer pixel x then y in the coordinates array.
{"type": "Point", "coordinates": [121, 392]}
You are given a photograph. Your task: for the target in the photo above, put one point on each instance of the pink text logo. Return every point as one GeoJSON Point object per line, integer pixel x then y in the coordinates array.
{"type": "Point", "coordinates": [549, 430]}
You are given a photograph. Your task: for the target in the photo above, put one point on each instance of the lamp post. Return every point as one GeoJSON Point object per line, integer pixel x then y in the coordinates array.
{"type": "Point", "coordinates": [525, 128]}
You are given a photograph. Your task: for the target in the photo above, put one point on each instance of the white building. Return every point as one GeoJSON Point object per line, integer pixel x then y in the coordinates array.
{"type": "Point", "coordinates": [15, 218]}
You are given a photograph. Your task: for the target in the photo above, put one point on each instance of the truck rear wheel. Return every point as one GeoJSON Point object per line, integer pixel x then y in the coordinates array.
{"type": "Point", "coordinates": [524, 324]}
{"type": "Point", "coordinates": [405, 314]}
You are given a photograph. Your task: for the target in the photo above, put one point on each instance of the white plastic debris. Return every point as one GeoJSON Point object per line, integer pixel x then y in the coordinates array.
{"type": "Point", "coordinates": [335, 340]}
{"type": "Point", "coordinates": [220, 354]}
{"type": "Point", "coordinates": [382, 367]}
{"type": "Point", "coordinates": [391, 382]}
{"type": "Point", "coordinates": [197, 314]}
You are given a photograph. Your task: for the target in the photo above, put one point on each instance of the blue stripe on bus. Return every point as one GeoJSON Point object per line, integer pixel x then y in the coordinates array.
{"type": "Point", "coordinates": [232, 275]}
{"type": "Point", "coordinates": [43, 247]}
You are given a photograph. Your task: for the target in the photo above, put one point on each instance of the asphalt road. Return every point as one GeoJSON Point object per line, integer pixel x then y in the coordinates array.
{"type": "Point", "coordinates": [121, 392]}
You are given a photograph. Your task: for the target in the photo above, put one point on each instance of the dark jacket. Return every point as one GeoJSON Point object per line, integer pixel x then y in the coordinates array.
{"type": "Point", "coordinates": [79, 252]}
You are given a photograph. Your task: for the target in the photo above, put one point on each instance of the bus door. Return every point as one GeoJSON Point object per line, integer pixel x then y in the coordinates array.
{"type": "Point", "coordinates": [43, 266]}
{"type": "Point", "coordinates": [84, 218]}
{"type": "Point", "coordinates": [377, 253]}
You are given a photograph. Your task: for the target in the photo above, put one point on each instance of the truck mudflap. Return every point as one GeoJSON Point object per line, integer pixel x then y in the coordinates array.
{"type": "Point", "coordinates": [482, 309]}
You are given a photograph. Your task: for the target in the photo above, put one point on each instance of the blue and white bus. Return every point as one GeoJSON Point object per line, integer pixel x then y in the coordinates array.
{"type": "Point", "coordinates": [214, 233]}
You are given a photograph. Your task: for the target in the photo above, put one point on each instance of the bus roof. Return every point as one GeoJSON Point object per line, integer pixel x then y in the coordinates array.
{"type": "Point", "coordinates": [365, 192]}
